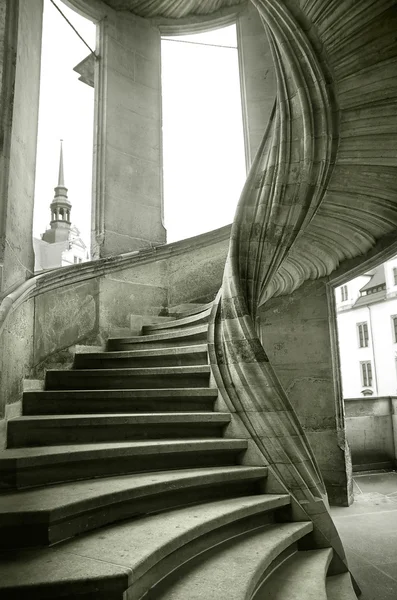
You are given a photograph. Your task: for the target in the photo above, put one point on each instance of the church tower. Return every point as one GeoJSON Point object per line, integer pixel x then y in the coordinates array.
{"type": "Point", "coordinates": [60, 210]}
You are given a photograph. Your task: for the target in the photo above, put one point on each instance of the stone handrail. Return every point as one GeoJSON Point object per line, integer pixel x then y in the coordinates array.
{"type": "Point", "coordinates": [284, 189]}
{"type": "Point", "coordinates": [74, 274]}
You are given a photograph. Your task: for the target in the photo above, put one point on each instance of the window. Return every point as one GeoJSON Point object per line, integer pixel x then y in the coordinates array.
{"type": "Point", "coordinates": [375, 289]}
{"type": "Point", "coordinates": [366, 374]}
{"type": "Point", "coordinates": [362, 329]}
{"type": "Point", "coordinates": [395, 275]}
{"type": "Point", "coordinates": [75, 260]}
{"type": "Point", "coordinates": [394, 324]}
{"type": "Point", "coordinates": [343, 291]}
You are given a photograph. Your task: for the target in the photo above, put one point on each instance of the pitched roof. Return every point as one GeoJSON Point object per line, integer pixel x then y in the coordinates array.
{"type": "Point", "coordinates": [377, 278]}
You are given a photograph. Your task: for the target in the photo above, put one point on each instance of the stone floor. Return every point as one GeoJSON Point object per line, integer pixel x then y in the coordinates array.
{"type": "Point", "coordinates": [368, 530]}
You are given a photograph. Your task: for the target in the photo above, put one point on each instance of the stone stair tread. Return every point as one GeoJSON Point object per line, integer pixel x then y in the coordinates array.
{"type": "Point", "coordinates": [232, 572]}
{"type": "Point", "coordinates": [53, 454]}
{"type": "Point", "coordinates": [340, 587]}
{"type": "Point", "coordinates": [130, 392]}
{"type": "Point", "coordinates": [50, 402]}
{"type": "Point", "coordinates": [141, 417]}
{"type": "Point", "coordinates": [126, 550]}
{"type": "Point", "coordinates": [301, 577]}
{"type": "Point", "coordinates": [184, 310]}
{"type": "Point", "coordinates": [134, 371]}
{"type": "Point", "coordinates": [64, 499]}
{"type": "Point", "coordinates": [180, 322]}
{"type": "Point", "coordinates": [136, 339]}
{"type": "Point", "coordinates": [196, 348]}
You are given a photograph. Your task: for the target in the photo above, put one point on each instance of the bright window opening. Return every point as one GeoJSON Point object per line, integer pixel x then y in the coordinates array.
{"type": "Point", "coordinates": [66, 111]}
{"type": "Point", "coordinates": [203, 142]}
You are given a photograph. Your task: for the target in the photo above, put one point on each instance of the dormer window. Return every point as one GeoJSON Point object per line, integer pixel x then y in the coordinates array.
{"type": "Point", "coordinates": [373, 290]}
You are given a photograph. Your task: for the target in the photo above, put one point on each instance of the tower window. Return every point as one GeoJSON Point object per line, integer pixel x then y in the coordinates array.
{"type": "Point", "coordinates": [395, 275]}
{"type": "Point", "coordinates": [343, 291]}
{"type": "Point", "coordinates": [366, 374]}
{"type": "Point", "coordinates": [362, 329]}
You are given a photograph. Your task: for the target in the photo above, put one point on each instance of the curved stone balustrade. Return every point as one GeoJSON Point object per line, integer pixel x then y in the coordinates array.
{"type": "Point", "coordinates": [303, 211]}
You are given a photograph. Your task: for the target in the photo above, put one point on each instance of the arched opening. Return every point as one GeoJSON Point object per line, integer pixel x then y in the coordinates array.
{"type": "Point", "coordinates": [366, 316]}
{"type": "Point", "coordinates": [203, 141]}
{"type": "Point", "coordinates": [66, 112]}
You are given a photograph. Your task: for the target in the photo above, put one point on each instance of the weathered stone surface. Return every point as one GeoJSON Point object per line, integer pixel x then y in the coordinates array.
{"type": "Point", "coordinates": [16, 343]}
{"type": "Point", "coordinates": [128, 203]}
{"type": "Point", "coordinates": [370, 430]}
{"type": "Point", "coordinates": [19, 119]}
{"type": "Point", "coordinates": [258, 78]}
{"type": "Point", "coordinates": [121, 299]}
{"type": "Point", "coordinates": [196, 275]}
{"type": "Point", "coordinates": [65, 317]}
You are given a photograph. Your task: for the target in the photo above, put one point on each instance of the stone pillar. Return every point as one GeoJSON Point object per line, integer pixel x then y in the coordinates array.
{"type": "Point", "coordinates": [297, 334]}
{"type": "Point", "coordinates": [257, 77]}
{"type": "Point", "coordinates": [20, 56]}
{"type": "Point", "coordinates": [127, 212]}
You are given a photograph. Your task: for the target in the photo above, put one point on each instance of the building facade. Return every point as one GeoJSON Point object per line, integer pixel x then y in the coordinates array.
{"type": "Point", "coordinates": [367, 332]}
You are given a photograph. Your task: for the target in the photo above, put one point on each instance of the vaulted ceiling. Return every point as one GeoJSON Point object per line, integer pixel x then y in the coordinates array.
{"type": "Point", "coordinates": [175, 9]}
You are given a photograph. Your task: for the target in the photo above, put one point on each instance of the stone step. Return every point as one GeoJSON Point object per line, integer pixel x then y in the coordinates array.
{"type": "Point", "coordinates": [30, 467]}
{"type": "Point", "coordinates": [181, 337]}
{"type": "Point", "coordinates": [184, 310]}
{"type": "Point", "coordinates": [58, 402]}
{"type": "Point", "coordinates": [232, 571]}
{"type": "Point", "coordinates": [302, 576]}
{"type": "Point", "coordinates": [195, 319]}
{"type": "Point", "coordinates": [166, 357]}
{"type": "Point", "coordinates": [48, 515]}
{"type": "Point", "coordinates": [84, 429]}
{"type": "Point", "coordinates": [139, 378]}
{"type": "Point", "coordinates": [102, 564]}
{"type": "Point", "coordinates": [340, 587]}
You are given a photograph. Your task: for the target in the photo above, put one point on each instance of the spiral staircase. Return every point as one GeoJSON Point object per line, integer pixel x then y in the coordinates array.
{"type": "Point", "coordinates": [120, 481]}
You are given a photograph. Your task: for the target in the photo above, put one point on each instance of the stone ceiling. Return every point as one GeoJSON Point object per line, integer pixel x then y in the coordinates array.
{"type": "Point", "coordinates": [175, 9]}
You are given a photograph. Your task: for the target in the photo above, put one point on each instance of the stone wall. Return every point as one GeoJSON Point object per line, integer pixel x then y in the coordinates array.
{"type": "Point", "coordinates": [42, 321]}
{"type": "Point", "coordinates": [128, 148]}
{"type": "Point", "coordinates": [257, 77]}
{"type": "Point", "coordinates": [20, 53]}
{"type": "Point", "coordinates": [295, 333]}
{"type": "Point", "coordinates": [371, 431]}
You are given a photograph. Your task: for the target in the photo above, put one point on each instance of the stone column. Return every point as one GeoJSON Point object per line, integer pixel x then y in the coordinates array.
{"type": "Point", "coordinates": [297, 334]}
{"type": "Point", "coordinates": [257, 77]}
{"type": "Point", "coordinates": [127, 211]}
{"type": "Point", "coordinates": [20, 55]}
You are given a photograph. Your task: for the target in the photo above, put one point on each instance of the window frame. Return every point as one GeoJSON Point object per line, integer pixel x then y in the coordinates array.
{"type": "Point", "coordinates": [366, 373]}
{"type": "Point", "coordinates": [363, 334]}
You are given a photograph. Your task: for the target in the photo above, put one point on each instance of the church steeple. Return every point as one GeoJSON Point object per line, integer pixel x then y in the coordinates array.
{"type": "Point", "coordinates": [60, 208]}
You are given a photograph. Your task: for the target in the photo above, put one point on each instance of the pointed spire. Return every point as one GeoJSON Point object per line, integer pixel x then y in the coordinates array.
{"type": "Point", "coordinates": [61, 206]}
{"type": "Point", "coordinates": [61, 182]}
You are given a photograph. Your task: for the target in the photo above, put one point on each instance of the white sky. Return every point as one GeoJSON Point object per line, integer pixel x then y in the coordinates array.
{"type": "Point", "coordinates": [203, 144]}
{"type": "Point", "coordinates": [203, 148]}
{"type": "Point", "coordinates": [66, 111]}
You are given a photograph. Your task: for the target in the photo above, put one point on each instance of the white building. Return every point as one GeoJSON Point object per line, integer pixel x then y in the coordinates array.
{"type": "Point", "coordinates": [367, 331]}
{"type": "Point", "coordinates": [61, 244]}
